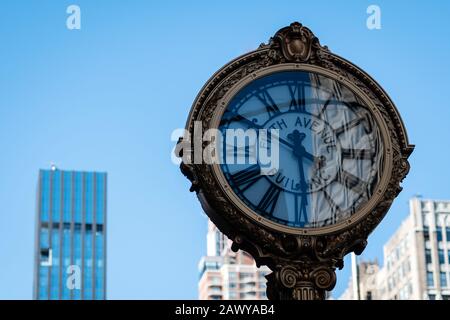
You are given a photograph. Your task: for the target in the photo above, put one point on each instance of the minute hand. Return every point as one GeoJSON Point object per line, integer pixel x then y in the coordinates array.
{"type": "Point", "coordinates": [303, 151]}
{"type": "Point", "coordinates": [251, 124]}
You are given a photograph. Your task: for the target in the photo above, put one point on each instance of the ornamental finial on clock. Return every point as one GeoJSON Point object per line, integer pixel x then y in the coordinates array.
{"type": "Point", "coordinates": [296, 42]}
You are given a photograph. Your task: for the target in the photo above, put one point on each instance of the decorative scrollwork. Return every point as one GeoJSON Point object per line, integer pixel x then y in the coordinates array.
{"type": "Point", "coordinates": [324, 278]}
{"type": "Point", "coordinates": [288, 276]}
{"type": "Point", "coordinates": [297, 43]}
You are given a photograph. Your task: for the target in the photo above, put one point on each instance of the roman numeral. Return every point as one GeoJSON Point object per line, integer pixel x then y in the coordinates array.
{"type": "Point", "coordinates": [247, 177]}
{"type": "Point", "coordinates": [301, 203]}
{"type": "Point", "coordinates": [297, 93]}
{"type": "Point", "coordinates": [269, 200]}
{"type": "Point", "coordinates": [330, 100]}
{"type": "Point", "coordinates": [337, 89]}
{"type": "Point", "coordinates": [271, 107]}
{"type": "Point", "coordinates": [365, 154]}
{"type": "Point", "coordinates": [352, 182]}
{"type": "Point", "coordinates": [347, 126]}
{"type": "Point", "coordinates": [333, 98]}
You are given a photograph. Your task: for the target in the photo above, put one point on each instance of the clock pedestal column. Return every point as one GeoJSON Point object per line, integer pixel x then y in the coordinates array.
{"type": "Point", "coordinates": [300, 270]}
{"type": "Point", "coordinates": [300, 282]}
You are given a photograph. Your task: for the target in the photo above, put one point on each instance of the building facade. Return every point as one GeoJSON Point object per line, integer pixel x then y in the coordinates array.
{"type": "Point", "coordinates": [417, 256]}
{"type": "Point", "coordinates": [228, 275]}
{"type": "Point", "coordinates": [70, 248]}
{"type": "Point", "coordinates": [368, 275]}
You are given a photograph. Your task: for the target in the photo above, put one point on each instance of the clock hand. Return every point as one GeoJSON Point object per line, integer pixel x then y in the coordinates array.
{"type": "Point", "coordinates": [251, 124]}
{"type": "Point", "coordinates": [298, 153]}
{"type": "Point", "coordinates": [318, 161]}
{"type": "Point", "coordinates": [297, 137]}
{"type": "Point", "coordinates": [237, 117]}
{"type": "Point", "coordinates": [300, 150]}
{"type": "Point", "coordinates": [307, 155]}
{"type": "Point", "coordinates": [302, 174]}
{"type": "Point", "coordinates": [282, 141]}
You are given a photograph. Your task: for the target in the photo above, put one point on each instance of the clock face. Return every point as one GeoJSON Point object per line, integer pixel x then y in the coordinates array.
{"type": "Point", "coordinates": [330, 149]}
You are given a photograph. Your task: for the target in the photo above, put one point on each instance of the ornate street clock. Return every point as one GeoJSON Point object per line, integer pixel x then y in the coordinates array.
{"type": "Point", "coordinates": [343, 153]}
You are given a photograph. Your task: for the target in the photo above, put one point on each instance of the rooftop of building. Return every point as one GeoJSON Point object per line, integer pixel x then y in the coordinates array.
{"type": "Point", "coordinates": [54, 168]}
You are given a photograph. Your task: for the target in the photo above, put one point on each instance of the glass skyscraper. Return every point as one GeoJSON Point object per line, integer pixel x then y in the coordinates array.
{"type": "Point", "coordinates": [70, 251]}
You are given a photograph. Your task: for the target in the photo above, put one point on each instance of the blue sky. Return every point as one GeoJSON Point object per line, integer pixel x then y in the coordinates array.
{"type": "Point", "coordinates": [108, 96]}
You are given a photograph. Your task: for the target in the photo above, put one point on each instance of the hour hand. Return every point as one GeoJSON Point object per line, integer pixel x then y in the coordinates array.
{"type": "Point", "coordinates": [318, 161]}
{"type": "Point", "coordinates": [300, 151]}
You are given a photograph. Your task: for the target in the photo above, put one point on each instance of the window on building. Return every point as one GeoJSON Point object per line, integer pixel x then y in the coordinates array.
{"type": "Point", "coordinates": [246, 275]}
{"type": "Point", "coordinates": [430, 281]}
{"type": "Point", "coordinates": [432, 297]}
{"type": "Point", "coordinates": [443, 279]}
{"type": "Point", "coordinates": [408, 265]}
{"type": "Point", "coordinates": [403, 294]}
{"type": "Point", "coordinates": [44, 237]}
{"type": "Point", "coordinates": [216, 280]}
{"type": "Point", "coordinates": [441, 256]}
{"type": "Point", "coordinates": [428, 255]}
{"type": "Point", "coordinates": [46, 257]}
{"type": "Point", "coordinates": [426, 233]}
{"type": "Point", "coordinates": [410, 288]}
{"type": "Point", "coordinates": [439, 234]}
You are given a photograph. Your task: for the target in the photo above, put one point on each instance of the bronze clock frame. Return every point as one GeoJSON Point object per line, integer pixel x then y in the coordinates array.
{"type": "Point", "coordinates": [303, 261]}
